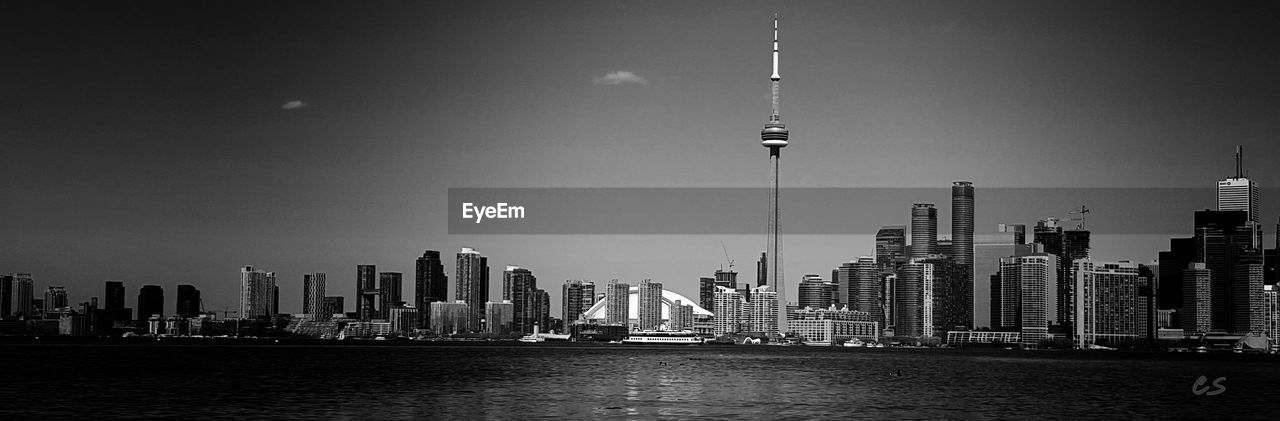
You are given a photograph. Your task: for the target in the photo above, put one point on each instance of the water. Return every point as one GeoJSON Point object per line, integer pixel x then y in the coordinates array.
{"type": "Point", "coordinates": [557, 382]}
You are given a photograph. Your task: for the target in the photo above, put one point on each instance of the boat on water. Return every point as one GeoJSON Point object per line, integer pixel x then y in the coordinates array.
{"type": "Point", "coordinates": [854, 343]}
{"type": "Point", "coordinates": [532, 338]}
{"type": "Point", "coordinates": [662, 337]}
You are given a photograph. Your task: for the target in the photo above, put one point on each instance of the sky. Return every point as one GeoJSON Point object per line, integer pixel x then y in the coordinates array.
{"type": "Point", "coordinates": [170, 142]}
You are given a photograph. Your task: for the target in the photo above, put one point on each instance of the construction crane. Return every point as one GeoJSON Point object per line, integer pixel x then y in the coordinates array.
{"type": "Point", "coordinates": [1082, 212]}
{"type": "Point", "coordinates": [726, 256]}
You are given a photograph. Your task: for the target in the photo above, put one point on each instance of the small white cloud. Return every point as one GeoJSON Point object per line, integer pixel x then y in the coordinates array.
{"type": "Point", "coordinates": [619, 77]}
{"type": "Point", "coordinates": [293, 105]}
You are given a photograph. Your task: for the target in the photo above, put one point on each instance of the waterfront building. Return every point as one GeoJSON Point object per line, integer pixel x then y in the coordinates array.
{"type": "Point", "coordinates": [390, 286]}
{"type": "Point", "coordinates": [1028, 289]}
{"type": "Point", "coordinates": [1197, 310]}
{"type": "Point", "coordinates": [891, 247]}
{"type": "Point", "coordinates": [649, 311]}
{"type": "Point", "coordinates": [617, 302]}
{"type": "Point", "coordinates": [576, 298]}
{"type": "Point", "coordinates": [764, 310]}
{"type": "Point", "coordinates": [518, 287]}
{"type": "Point", "coordinates": [23, 296]}
{"type": "Point", "coordinates": [333, 305]}
{"type": "Point", "coordinates": [431, 284]}
{"type": "Point", "coordinates": [257, 294]}
{"type": "Point", "coordinates": [448, 318]}
{"type": "Point", "coordinates": [55, 297]}
{"type": "Point", "coordinates": [988, 249]}
{"type": "Point", "coordinates": [707, 292]}
{"type": "Point", "coordinates": [499, 317]}
{"type": "Point", "coordinates": [366, 292]}
{"type": "Point", "coordinates": [472, 286]}
{"type": "Point", "coordinates": [908, 298]}
{"type": "Point", "coordinates": [188, 302]}
{"type": "Point", "coordinates": [6, 295]}
{"type": "Point", "coordinates": [814, 292]}
{"type": "Point", "coordinates": [833, 326]}
{"type": "Point", "coordinates": [728, 308]}
{"type": "Point", "coordinates": [681, 316]}
{"type": "Point", "coordinates": [1106, 303]}
{"type": "Point", "coordinates": [313, 285]}
{"type": "Point", "coordinates": [150, 301]}
{"type": "Point", "coordinates": [1270, 311]}
{"type": "Point", "coordinates": [403, 318]}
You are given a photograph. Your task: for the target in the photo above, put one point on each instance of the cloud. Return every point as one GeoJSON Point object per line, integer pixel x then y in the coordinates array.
{"type": "Point", "coordinates": [618, 77]}
{"type": "Point", "coordinates": [293, 105]}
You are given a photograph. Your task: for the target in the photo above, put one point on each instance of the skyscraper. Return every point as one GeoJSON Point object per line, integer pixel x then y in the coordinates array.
{"type": "Point", "coordinates": [727, 308]}
{"type": "Point", "coordinates": [518, 286]}
{"type": "Point", "coordinates": [1028, 295]}
{"type": "Point", "coordinates": [649, 300]}
{"type": "Point", "coordinates": [1239, 192]}
{"type": "Point", "coordinates": [390, 286]}
{"type": "Point", "coordinates": [23, 290]}
{"type": "Point", "coordinates": [707, 292]}
{"type": "Point", "coordinates": [891, 247]}
{"type": "Point", "coordinates": [774, 137]}
{"type": "Point", "coordinates": [762, 271]}
{"type": "Point", "coordinates": [257, 293]}
{"type": "Point", "coordinates": [472, 285]}
{"type": "Point", "coordinates": [450, 317]}
{"type": "Point", "coordinates": [814, 292]}
{"type": "Point", "coordinates": [313, 290]}
{"type": "Point", "coordinates": [1197, 307]}
{"type": "Point", "coordinates": [366, 292]}
{"type": "Point", "coordinates": [576, 297]}
{"type": "Point", "coordinates": [765, 310]}
{"type": "Point", "coordinates": [55, 297]}
{"type": "Point", "coordinates": [430, 285]}
{"type": "Point", "coordinates": [1019, 232]}
{"type": "Point", "coordinates": [114, 302]}
{"type": "Point", "coordinates": [1105, 302]}
{"type": "Point", "coordinates": [150, 301]}
{"type": "Point", "coordinates": [908, 299]}
{"type": "Point", "coordinates": [188, 303]}
{"type": "Point", "coordinates": [962, 223]}
{"type": "Point", "coordinates": [6, 295]}
{"type": "Point", "coordinates": [618, 303]}
{"type": "Point", "coordinates": [924, 230]}
{"type": "Point", "coordinates": [540, 305]}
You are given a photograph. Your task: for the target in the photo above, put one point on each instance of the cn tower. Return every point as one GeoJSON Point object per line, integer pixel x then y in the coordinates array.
{"type": "Point", "coordinates": [774, 136]}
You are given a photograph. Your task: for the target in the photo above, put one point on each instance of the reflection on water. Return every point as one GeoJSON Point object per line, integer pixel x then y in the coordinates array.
{"type": "Point", "coordinates": [539, 382]}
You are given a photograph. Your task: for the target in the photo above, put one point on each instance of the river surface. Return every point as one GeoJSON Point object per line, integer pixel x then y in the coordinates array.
{"type": "Point", "coordinates": [527, 381]}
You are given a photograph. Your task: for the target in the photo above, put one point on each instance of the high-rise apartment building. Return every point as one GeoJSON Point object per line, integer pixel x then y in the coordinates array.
{"type": "Point", "coordinates": [764, 310]}
{"type": "Point", "coordinates": [23, 296]}
{"type": "Point", "coordinates": [55, 297]}
{"type": "Point", "coordinates": [518, 287]}
{"type": "Point", "coordinates": [336, 305]}
{"type": "Point", "coordinates": [891, 247]}
{"type": "Point", "coordinates": [649, 300]}
{"type": "Point", "coordinates": [576, 298]}
{"type": "Point", "coordinates": [257, 294]}
{"type": "Point", "coordinates": [815, 292]}
{"type": "Point", "coordinates": [472, 285]}
{"type": "Point", "coordinates": [448, 318]}
{"type": "Point", "coordinates": [1196, 314]}
{"type": "Point", "coordinates": [6, 295]}
{"type": "Point", "coordinates": [1106, 302]}
{"type": "Point", "coordinates": [727, 308]}
{"type": "Point", "coordinates": [707, 292]}
{"type": "Point", "coordinates": [617, 303]}
{"type": "Point", "coordinates": [390, 292]}
{"type": "Point", "coordinates": [313, 290]}
{"type": "Point", "coordinates": [962, 223]}
{"type": "Point", "coordinates": [924, 230]}
{"type": "Point", "coordinates": [431, 284]}
{"type": "Point", "coordinates": [366, 292]}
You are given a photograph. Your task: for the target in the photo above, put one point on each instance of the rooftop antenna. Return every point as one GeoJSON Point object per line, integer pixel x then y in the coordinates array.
{"type": "Point", "coordinates": [1239, 161]}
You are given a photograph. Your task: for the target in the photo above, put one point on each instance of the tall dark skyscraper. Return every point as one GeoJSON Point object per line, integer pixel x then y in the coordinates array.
{"type": "Point", "coordinates": [188, 302]}
{"type": "Point", "coordinates": [814, 292]}
{"type": "Point", "coordinates": [431, 285]}
{"type": "Point", "coordinates": [472, 285]}
{"type": "Point", "coordinates": [114, 303]}
{"type": "Point", "coordinates": [6, 295]}
{"type": "Point", "coordinates": [150, 301]}
{"type": "Point", "coordinates": [257, 293]}
{"type": "Point", "coordinates": [518, 286]}
{"type": "Point", "coordinates": [924, 230]}
{"type": "Point", "coordinates": [313, 290]}
{"type": "Point", "coordinates": [1075, 246]}
{"type": "Point", "coordinates": [706, 292]}
{"type": "Point", "coordinates": [23, 298]}
{"type": "Point", "coordinates": [891, 247]}
{"type": "Point", "coordinates": [907, 305]}
{"type": "Point", "coordinates": [775, 136]}
{"type": "Point", "coordinates": [390, 286]}
{"type": "Point", "coordinates": [366, 292]}
{"type": "Point", "coordinates": [962, 223]}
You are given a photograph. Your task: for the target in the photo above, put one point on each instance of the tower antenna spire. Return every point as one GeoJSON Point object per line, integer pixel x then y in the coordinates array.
{"type": "Point", "coordinates": [1239, 161]}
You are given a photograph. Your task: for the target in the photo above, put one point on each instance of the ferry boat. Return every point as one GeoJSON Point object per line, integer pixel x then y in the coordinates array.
{"type": "Point", "coordinates": [660, 337]}
{"type": "Point", "coordinates": [854, 343]}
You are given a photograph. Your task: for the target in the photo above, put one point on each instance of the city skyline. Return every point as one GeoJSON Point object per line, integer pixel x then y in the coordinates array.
{"type": "Point", "coordinates": [172, 179]}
